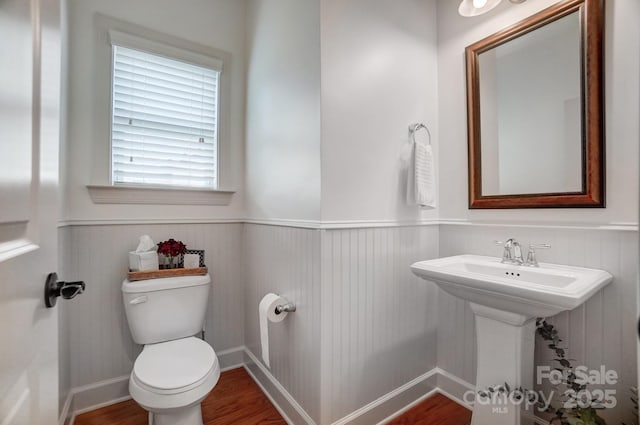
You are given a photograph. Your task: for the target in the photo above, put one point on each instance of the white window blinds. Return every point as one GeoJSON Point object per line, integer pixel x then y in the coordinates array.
{"type": "Point", "coordinates": [165, 121]}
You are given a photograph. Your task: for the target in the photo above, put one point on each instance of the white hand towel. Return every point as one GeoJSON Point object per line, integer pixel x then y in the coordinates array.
{"type": "Point", "coordinates": [421, 177]}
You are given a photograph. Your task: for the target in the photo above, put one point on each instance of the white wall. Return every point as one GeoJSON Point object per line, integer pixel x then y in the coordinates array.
{"type": "Point", "coordinates": [379, 74]}
{"type": "Point", "coordinates": [332, 87]}
{"type": "Point", "coordinates": [283, 109]}
{"type": "Point", "coordinates": [622, 128]}
{"type": "Point", "coordinates": [215, 23]}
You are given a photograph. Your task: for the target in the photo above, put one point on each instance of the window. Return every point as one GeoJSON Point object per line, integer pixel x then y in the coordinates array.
{"type": "Point", "coordinates": [164, 126]}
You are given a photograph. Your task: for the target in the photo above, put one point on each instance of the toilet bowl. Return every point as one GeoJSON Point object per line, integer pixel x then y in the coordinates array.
{"type": "Point", "coordinates": [170, 380]}
{"type": "Point", "coordinates": [175, 370]}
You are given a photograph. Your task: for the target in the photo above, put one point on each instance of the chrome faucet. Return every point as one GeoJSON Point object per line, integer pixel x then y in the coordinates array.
{"type": "Point", "coordinates": [512, 252]}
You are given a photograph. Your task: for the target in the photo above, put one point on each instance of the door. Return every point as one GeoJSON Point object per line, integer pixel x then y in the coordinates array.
{"type": "Point", "coordinates": [29, 143]}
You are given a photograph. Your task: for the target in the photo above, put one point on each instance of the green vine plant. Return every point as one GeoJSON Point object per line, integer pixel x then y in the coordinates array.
{"type": "Point", "coordinates": [583, 410]}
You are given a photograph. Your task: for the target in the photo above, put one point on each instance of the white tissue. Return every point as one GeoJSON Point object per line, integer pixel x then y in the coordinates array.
{"type": "Point", "coordinates": [146, 244]}
{"type": "Point", "coordinates": [145, 256]}
{"type": "Point", "coordinates": [267, 313]}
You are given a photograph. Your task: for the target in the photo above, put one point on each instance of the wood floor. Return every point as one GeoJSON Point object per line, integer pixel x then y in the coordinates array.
{"type": "Point", "coordinates": [237, 400]}
{"type": "Point", "coordinates": [436, 410]}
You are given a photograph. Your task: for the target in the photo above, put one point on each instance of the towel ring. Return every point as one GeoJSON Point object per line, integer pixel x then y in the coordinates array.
{"type": "Point", "coordinates": [413, 129]}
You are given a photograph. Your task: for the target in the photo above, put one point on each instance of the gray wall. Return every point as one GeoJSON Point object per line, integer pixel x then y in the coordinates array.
{"type": "Point", "coordinates": [601, 332]}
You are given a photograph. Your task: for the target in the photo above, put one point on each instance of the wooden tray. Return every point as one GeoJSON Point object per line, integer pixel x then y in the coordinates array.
{"type": "Point", "coordinates": [157, 274]}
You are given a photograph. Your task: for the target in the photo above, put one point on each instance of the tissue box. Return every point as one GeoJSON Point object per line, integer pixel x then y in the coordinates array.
{"type": "Point", "coordinates": [142, 261]}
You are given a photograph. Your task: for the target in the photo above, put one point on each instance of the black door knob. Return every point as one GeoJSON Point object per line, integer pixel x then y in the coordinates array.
{"type": "Point", "coordinates": [54, 289]}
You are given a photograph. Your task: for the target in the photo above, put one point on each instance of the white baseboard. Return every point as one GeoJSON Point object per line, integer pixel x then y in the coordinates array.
{"type": "Point", "coordinates": [409, 406]}
{"type": "Point", "coordinates": [232, 358]}
{"type": "Point", "coordinates": [412, 393]}
{"type": "Point", "coordinates": [453, 387]}
{"type": "Point", "coordinates": [94, 396]}
{"type": "Point", "coordinates": [288, 407]}
{"type": "Point", "coordinates": [65, 417]}
{"type": "Point", "coordinates": [393, 403]}
{"type": "Point", "coordinates": [380, 411]}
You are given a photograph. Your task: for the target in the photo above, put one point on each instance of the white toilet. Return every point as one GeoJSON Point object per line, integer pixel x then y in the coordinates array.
{"type": "Point", "coordinates": [175, 370]}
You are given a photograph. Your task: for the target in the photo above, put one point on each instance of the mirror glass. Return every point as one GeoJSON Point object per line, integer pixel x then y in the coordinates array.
{"type": "Point", "coordinates": [530, 112]}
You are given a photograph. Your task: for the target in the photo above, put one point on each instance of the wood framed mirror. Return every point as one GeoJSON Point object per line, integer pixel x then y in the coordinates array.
{"type": "Point", "coordinates": [535, 111]}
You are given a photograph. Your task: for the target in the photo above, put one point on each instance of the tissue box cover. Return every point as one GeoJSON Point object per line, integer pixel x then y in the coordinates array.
{"type": "Point", "coordinates": [142, 261]}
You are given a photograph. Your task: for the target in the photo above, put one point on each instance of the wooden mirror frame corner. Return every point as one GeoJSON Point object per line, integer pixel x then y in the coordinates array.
{"type": "Point", "coordinates": [591, 14]}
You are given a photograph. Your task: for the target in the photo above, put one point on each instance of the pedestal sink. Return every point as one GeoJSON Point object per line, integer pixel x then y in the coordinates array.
{"type": "Point", "coordinates": [506, 299]}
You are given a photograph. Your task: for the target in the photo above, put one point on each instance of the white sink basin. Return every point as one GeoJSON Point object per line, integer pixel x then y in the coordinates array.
{"type": "Point", "coordinates": [505, 299]}
{"type": "Point", "coordinates": [530, 291]}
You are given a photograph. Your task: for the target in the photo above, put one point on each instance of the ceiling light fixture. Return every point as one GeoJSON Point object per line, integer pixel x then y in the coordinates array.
{"type": "Point", "coordinates": [469, 8]}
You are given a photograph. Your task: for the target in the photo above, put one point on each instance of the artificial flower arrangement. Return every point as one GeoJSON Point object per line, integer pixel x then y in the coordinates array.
{"type": "Point", "coordinates": [172, 250]}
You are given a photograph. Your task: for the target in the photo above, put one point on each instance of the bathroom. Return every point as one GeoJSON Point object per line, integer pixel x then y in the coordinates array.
{"type": "Point", "coordinates": [316, 98]}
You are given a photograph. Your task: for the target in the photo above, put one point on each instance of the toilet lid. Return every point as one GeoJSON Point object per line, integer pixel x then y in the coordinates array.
{"type": "Point", "coordinates": [174, 364]}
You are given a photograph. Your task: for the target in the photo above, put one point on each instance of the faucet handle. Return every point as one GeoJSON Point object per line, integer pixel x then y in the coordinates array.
{"type": "Point", "coordinates": [507, 257]}
{"type": "Point", "coordinates": [539, 246]}
{"type": "Point", "coordinates": [532, 261]}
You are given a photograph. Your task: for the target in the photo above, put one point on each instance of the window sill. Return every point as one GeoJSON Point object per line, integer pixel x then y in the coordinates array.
{"type": "Point", "coordinates": [101, 194]}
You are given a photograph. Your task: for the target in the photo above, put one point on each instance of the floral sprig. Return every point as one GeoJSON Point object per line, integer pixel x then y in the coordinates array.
{"type": "Point", "coordinates": [171, 248]}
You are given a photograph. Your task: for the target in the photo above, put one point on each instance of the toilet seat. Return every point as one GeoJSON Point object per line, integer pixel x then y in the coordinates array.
{"type": "Point", "coordinates": [174, 367]}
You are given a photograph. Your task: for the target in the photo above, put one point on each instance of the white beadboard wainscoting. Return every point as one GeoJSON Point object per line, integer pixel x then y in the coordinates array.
{"type": "Point", "coordinates": [368, 337]}
{"type": "Point", "coordinates": [364, 326]}
{"type": "Point", "coordinates": [378, 319]}
{"type": "Point", "coordinates": [93, 326]}
{"type": "Point", "coordinates": [286, 261]}
{"type": "Point", "coordinates": [601, 332]}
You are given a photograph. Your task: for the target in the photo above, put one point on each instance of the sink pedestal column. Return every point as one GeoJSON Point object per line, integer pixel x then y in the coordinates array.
{"type": "Point", "coordinates": [505, 351]}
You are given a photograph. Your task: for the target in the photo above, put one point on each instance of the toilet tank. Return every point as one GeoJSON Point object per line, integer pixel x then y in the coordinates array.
{"type": "Point", "coordinates": [164, 309]}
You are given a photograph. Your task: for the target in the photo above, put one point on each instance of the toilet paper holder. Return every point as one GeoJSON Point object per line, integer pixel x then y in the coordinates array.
{"type": "Point", "coordinates": [285, 308]}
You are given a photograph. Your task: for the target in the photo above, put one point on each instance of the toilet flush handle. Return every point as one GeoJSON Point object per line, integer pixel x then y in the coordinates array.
{"type": "Point", "coordinates": [139, 300]}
